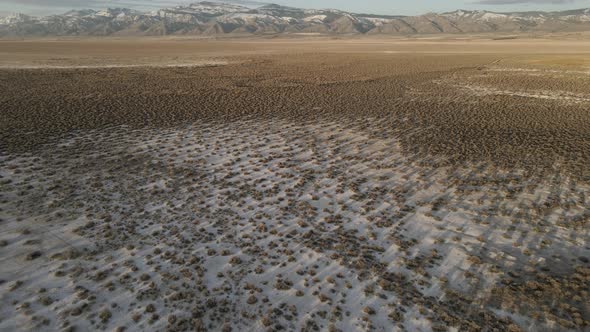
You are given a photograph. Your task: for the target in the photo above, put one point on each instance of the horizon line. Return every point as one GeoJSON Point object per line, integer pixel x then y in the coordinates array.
{"type": "Point", "coordinates": [262, 4]}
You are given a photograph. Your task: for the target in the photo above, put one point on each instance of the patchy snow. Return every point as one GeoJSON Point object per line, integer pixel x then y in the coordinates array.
{"type": "Point", "coordinates": [377, 21]}
{"type": "Point", "coordinates": [259, 223]}
{"type": "Point", "coordinates": [580, 18]}
{"type": "Point", "coordinates": [540, 71]}
{"type": "Point", "coordinates": [466, 84]}
{"type": "Point", "coordinates": [14, 19]}
{"type": "Point", "coordinates": [487, 16]}
{"type": "Point", "coordinates": [202, 63]}
{"type": "Point", "coordinates": [563, 96]}
{"type": "Point", "coordinates": [241, 18]}
{"type": "Point", "coordinates": [214, 8]}
{"type": "Point", "coordinates": [315, 18]}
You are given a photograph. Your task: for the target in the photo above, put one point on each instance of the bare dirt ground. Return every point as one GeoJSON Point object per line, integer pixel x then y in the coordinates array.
{"type": "Point", "coordinates": [297, 184]}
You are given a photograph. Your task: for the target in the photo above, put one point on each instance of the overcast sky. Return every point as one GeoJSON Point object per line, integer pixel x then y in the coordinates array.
{"type": "Point", "coordinates": [402, 7]}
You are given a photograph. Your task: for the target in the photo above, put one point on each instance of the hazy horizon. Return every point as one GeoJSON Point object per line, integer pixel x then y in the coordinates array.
{"type": "Point", "coordinates": [42, 7]}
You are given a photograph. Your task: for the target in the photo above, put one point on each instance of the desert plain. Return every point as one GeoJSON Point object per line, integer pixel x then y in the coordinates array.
{"type": "Point", "coordinates": [308, 183]}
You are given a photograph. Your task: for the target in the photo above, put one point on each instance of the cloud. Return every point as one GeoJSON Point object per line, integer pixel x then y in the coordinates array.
{"type": "Point", "coordinates": [90, 3]}
{"type": "Point", "coordinates": [519, 2]}
{"type": "Point", "coordinates": [44, 7]}
{"type": "Point", "coordinates": [48, 7]}
{"type": "Point", "coordinates": [111, 3]}
{"type": "Point", "coordinates": [81, 3]}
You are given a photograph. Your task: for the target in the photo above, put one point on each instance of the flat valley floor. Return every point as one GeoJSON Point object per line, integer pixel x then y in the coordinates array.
{"type": "Point", "coordinates": [298, 184]}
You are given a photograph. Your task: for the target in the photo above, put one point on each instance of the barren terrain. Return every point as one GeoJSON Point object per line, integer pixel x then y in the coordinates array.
{"type": "Point", "coordinates": [298, 184]}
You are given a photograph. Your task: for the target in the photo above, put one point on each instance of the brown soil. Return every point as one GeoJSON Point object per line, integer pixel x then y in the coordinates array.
{"type": "Point", "coordinates": [293, 184]}
{"type": "Point", "coordinates": [401, 90]}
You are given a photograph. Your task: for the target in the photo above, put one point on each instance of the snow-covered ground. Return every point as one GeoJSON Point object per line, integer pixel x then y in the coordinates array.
{"type": "Point", "coordinates": [471, 84]}
{"type": "Point", "coordinates": [194, 63]}
{"type": "Point", "coordinates": [271, 223]}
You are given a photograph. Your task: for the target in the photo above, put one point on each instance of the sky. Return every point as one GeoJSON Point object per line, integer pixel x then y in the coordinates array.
{"type": "Point", "coordinates": [392, 7]}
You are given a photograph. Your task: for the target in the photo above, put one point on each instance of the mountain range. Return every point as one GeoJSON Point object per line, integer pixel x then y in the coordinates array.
{"type": "Point", "coordinates": [210, 18]}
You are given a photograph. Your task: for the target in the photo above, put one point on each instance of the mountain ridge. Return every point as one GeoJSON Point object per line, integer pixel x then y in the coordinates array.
{"type": "Point", "coordinates": [218, 18]}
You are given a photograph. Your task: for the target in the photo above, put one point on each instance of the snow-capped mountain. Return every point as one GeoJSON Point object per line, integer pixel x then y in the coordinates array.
{"type": "Point", "coordinates": [213, 18]}
{"type": "Point", "coordinates": [15, 19]}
